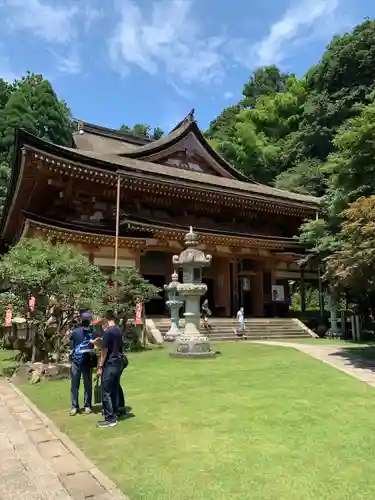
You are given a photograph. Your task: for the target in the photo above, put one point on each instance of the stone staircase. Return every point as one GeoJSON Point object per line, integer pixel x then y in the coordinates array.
{"type": "Point", "coordinates": [256, 328]}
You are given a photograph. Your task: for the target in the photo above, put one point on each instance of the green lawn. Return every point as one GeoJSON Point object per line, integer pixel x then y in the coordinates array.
{"type": "Point", "coordinates": [324, 341]}
{"type": "Point", "coordinates": [8, 362]}
{"type": "Point", "coordinates": [259, 422]}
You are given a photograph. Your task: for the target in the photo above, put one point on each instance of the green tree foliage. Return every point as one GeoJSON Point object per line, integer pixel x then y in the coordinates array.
{"type": "Point", "coordinates": [5, 92]}
{"type": "Point", "coordinates": [38, 267]}
{"type": "Point", "coordinates": [32, 104]}
{"type": "Point", "coordinates": [127, 288]}
{"type": "Point", "coordinates": [284, 128]}
{"type": "Point", "coordinates": [353, 265]}
{"type": "Point", "coordinates": [264, 82]}
{"type": "Point", "coordinates": [143, 130]}
{"type": "Point", "coordinates": [350, 174]}
{"type": "Point", "coordinates": [62, 281]}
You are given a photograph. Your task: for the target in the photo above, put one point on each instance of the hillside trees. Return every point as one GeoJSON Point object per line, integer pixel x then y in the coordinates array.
{"type": "Point", "coordinates": [143, 130]}
{"type": "Point", "coordinates": [32, 104]}
{"type": "Point", "coordinates": [284, 128]}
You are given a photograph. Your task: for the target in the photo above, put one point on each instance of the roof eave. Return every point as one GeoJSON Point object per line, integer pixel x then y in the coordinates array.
{"type": "Point", "coordinates": [25, 138]}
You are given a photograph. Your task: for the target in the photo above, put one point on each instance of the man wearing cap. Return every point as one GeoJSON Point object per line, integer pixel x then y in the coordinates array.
{"type": "Point", "coordinates": [82, 342]}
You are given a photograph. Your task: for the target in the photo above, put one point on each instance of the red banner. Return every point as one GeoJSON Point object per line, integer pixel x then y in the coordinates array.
{"type": "Point", "coordinates": [8, 318]}
{"type": "Point", "coordinates": [32, 301]}
{"type": "Point", "coordinates": [138, 313]}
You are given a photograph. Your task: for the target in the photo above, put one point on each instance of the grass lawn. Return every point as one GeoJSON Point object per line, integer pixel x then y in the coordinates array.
{"type": "Point", "coordinates": [259, 422]}
{"type": "Point", "coordinates": [8, 362]}
{"type": "Point", "coordinates": [324, 341]}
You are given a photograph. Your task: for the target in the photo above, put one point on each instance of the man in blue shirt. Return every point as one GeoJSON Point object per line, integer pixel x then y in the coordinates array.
{"type": "Point", "coordinates": [111, 365]}
{"type": "Point", "coordinates": [82, 342]}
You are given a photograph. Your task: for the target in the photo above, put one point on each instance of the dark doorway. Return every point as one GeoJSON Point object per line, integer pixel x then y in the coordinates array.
{"type": "Point", "coordinates": [245, 296]}
{"type": "Point", "coordinates": [156, 307]}
{"type": "Point", "coordinates": [210, 295]}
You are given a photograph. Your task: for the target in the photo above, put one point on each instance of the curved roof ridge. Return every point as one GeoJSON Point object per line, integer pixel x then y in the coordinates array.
{"type": "Point", "coordinates": [188, 124]}
{"type": "Point", "coordinates": [120, 135]}
{"type": "Point", "coordinates": [117, 163]}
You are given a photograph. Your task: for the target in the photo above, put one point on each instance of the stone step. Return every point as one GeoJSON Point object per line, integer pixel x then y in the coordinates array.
{"type": "Point", "coordinates": [256, 328]}
{"type": "Point", "coordinates": [258, 337]}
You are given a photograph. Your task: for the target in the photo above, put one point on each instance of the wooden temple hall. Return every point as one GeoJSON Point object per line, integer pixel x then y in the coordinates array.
{"type": "Point", "coordinates": [162, 187]}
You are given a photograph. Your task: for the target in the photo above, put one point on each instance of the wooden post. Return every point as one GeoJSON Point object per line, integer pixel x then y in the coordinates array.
{"type": "Point", "coordinates": [117, 220]}
{"type": "Point", "coordinates": [117, 230]}
{"type": "Point", "coordinates": [303, 292]}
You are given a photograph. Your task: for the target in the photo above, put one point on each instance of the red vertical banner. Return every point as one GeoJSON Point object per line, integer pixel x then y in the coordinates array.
{"type": "Point", "coordinates": [138, 313]}
{"type": "Point", "coordinates": [32, 301]}
{"type": "Point", "coordinates": [8, 318]}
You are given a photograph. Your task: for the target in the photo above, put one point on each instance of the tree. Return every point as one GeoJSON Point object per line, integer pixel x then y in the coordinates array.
{"type": "Point", "coordinates": [143, 130]}
{"type": "Point", "coordinates": [256, 138]}
{"type": "Point", "coordinates": [127, 288]}
{"type": "Point", "coordinates": [32, 104]}
{"type": "Point", "coordinates": [350, 174]}
{"type": "Point", "coordinates": [62, 281]}
{"type": "Point", "coordinates": [157, 133]}
{"type": "Point", "coordinates": [264, 81]}
{"type": "Point", "coordinates": [343, 78]}
{"type": "Point", "coordinates": [353, 266]}
{"type": "Point", "coordinates": [5, 92]}
{"type": "Point", "coordinates": [306, 177]}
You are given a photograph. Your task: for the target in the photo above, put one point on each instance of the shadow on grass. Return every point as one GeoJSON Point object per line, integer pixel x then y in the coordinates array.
{"type": "Point", "coordinates": [98, 410]}
{"type": "Point", "coordinates": [358, 357]}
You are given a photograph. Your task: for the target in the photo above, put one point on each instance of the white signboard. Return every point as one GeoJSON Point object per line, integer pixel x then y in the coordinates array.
{"type": "Point", "coordinates": [278, 294]}
{"type": "Point", "coordinates": [246, 284]}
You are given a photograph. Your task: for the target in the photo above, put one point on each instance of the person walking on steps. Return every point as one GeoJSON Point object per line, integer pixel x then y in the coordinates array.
{"type": "Point", "coordinates": [83, 358]}
{"type": "Point", "coordinates": [206, 313]}
{"type": "Point", "coordinates": [241, 323]}
{"type": "Point", "coordinates": [111, 365]}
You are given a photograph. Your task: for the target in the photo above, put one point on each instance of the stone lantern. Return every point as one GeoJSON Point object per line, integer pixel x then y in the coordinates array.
{"type": "Point", "coordinates": [191, 343]}
{"type": "Point", "coordinates": [174, 303]}
{"type": "Point", "coordinates": [192, 260]}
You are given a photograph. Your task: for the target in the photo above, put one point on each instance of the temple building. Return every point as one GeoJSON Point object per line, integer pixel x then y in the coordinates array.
{"type": "Point", "coordinates": [162, 187]}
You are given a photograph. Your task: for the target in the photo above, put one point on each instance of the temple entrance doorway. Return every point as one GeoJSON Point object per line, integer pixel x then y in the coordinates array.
{"type": "Point", "coordinates": [210, 295]}
{"type": "Point", "coordinates": [154, 268]}
{"type": "Point", "coordinates": [156, 307]}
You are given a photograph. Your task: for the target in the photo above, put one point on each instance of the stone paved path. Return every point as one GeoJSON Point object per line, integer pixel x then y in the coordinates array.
{"type": "Point", "coordinates": [38, 462]}
{"type": "Point", "coordinates": [340, 357]}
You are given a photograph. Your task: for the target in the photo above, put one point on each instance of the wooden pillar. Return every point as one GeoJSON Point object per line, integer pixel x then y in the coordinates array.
{"type": "Point", "coordinates": [137, 259]}
{"type": "Point", "coordinates": [302, 293]}
{"type": "Point", "coordinates": [257, 292]}
{"type": "Point", "coordinates": [234, 295]}
{"type": "Point", "coordinates": [222, 285]}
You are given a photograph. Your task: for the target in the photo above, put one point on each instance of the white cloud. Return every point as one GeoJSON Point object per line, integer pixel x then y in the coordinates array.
{"type": "Point", "coordinates": [52, 22]}
{"type": "Point", "coordinates": [301, 17]}
{"type": "Point", "coordinates": [165, 38]}
{"type": "Point", "coordinates": [69, 64]}
{"type": "Point", "coordinates": [60, 23]}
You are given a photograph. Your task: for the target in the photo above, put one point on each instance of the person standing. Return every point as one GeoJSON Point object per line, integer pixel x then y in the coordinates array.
{"type": "Point", "coordinates": [81, 340]}
{"type": "Point", "coordinates": [241, 323]}
{"type": "Point", "coordinates": [111, 365]}
{"type": "Point", "coordinates": [206, 313]}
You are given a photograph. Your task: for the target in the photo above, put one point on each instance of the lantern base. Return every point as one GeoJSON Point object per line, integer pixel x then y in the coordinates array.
{"type": "Point", "coordinates": [193, 347]}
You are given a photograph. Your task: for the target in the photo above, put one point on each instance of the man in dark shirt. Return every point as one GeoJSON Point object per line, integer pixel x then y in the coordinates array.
{"type": "Point", "coordinates": [81, 341]}
{"type": "Point", "coordinates": [110, 367]}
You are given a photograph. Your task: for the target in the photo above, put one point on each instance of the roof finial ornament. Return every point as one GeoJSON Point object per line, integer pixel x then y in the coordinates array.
{"type": "Point", "coordinates": [191, 238]}
{"type": "Point", "coordinates": [191, 115]}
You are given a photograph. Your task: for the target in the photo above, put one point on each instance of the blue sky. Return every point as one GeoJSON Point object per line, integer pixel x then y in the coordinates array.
{"type": "Point", "coordinates": [151, 61]}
